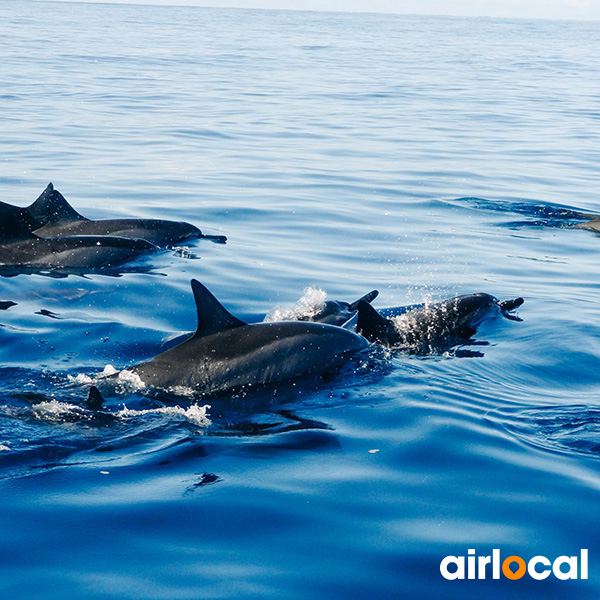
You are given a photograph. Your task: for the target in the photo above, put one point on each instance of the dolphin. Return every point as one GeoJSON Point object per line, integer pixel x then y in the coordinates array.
{"type": "Point", "coordinates": [226, 354]}
{"type": "Point", "coordinates": [593, 225]}
{"type": "Point", "coordinates": [333, 312]}
{"type": "Point", "coordinates": [21, 250]}
{"type": "Point", "coordinates": [52, 216]}
{"type": "Point", "coordinates": [433, 325]}
{"type": "Point", "coordinates": [338, 312]}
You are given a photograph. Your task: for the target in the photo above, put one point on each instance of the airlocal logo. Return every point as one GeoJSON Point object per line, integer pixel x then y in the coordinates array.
{"type": "Point", "coordinates": [514, 567]}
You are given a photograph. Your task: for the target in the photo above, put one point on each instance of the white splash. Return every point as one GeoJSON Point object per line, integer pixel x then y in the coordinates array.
{"type": "Point", "coordinates": [130, 380]}
{"type": "Point", "coordinates": [183, 251]}
{"type": "Point", "coordinates": [54, 409]}
{"type": "Point", "coordinates": [310, 304]}
{"type": "Point", "coordinates": [83, 379]}
{"type": "Point", "coordinates": [196, 414]}
{"type": "Point", "coordinates": [182, 390]}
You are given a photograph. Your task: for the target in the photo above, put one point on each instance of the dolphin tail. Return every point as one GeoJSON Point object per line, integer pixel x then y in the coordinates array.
{"type": "Point", "coordinates": [507, 306]}
{"type": "Point", "coordinates": [366, 298]}
{"type": "Point", "coordinates": [374, 327]}
{"type": "Point", "coordinates": [52, 208]}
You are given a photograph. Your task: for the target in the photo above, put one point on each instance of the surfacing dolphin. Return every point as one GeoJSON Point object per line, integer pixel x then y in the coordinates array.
{"type": "Point", "coordinates": [226, 354]}
{"type": "Point", "coordinates": [23, 251]}
{"type": "Point", "coordinates": [433, 326]}
{"type": "Point", "coordinates": [331, 312]}
{"type": "Point", "coordinates": [52, 216]}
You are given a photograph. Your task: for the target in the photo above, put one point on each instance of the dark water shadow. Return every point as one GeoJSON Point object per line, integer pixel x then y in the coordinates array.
{"type": "Point", "coordinates": [573, 429]}
{"type": "Point", "coordinates": [536, 215]}
{"type": "Point", "coordinates": [63, 273]}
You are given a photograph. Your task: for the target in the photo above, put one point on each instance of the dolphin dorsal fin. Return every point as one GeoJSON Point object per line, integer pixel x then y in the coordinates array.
{"type": "Point", "coordinates": [94, 400]}
{"type": "Point", "coordinates": [51, 208]}
{"type": "Point", "coordinates": [374, 327]}
{"type": "Point", "coordinates": [212, 315]}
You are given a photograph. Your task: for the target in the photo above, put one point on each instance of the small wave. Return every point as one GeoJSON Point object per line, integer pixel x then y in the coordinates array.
{"type": "Point", "coordinates": [310, 304]}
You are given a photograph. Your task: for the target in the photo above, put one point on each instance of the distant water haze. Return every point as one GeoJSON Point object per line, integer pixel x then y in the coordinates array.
{"type": "Point", "coordinates": [524, 9]}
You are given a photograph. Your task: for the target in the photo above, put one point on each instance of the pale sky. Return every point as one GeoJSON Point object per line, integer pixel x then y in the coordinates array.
{"type": "Point", "coordinates": [536, 9]}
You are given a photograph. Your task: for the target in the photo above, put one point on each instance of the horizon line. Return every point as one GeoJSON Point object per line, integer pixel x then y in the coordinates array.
{"type": "Point", "coordinates": [234, 6]}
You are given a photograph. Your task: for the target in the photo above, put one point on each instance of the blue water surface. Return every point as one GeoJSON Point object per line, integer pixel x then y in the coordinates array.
{"type": "Point", "coordinates": [422, 156]}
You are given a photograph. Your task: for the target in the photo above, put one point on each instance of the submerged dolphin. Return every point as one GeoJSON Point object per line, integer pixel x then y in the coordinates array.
{"type": "Point", "coordinates": [338, 312]}
{"type": "Point", "coordinates": [22, 250]}
{"type": "Point", "coordinates": [434, 325]}
{"type": "Point", "coordinates": [225, 353]}
{"type": "Point", "coordinates": [52, 216]}
{"type": "Point", "coordinates": [593, 225]}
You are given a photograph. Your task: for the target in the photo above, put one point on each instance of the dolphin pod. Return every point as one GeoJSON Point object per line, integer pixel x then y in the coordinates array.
{"type": "Point", "coordinates": [226, 354]}
{"type": "Point", "coordinates": [50, 234]}
{"type": "Point", "coordinates": [22, 250]}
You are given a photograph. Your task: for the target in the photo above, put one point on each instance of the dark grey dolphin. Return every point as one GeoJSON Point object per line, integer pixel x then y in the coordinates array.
{"type": "Point", "coordinates": [21, 250]}
{"type": "Point", "coordinates": [52, 216]}
{"type": "Point", "coordinates": [432, 326]}
{"type": "Point", "coordinates": [334, 312]}
{"type": "Point", "coordinates": [226, 354]}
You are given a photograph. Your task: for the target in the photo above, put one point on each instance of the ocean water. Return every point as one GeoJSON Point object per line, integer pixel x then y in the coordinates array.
{"type": "Point", "coordinates": [421, 156]}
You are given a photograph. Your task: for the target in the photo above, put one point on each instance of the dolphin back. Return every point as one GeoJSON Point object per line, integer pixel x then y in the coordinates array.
{"type": "Point", "coordinates": [244, 357]}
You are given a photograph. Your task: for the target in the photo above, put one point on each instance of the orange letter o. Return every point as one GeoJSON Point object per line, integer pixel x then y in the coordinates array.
{"type": "Point", "coordinates": [519, 572]}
